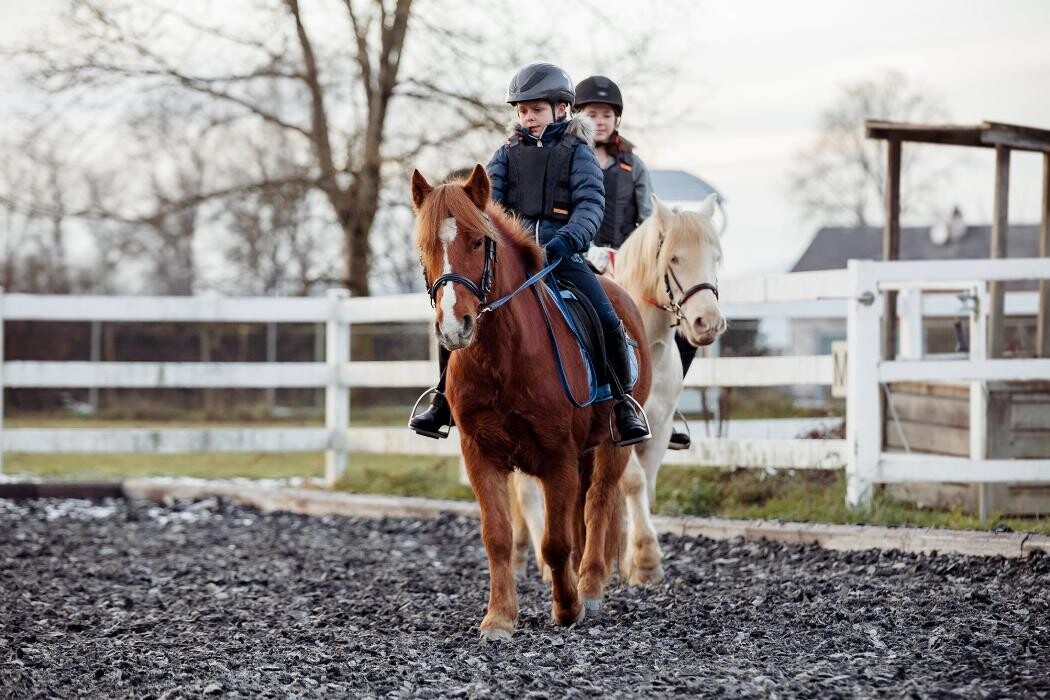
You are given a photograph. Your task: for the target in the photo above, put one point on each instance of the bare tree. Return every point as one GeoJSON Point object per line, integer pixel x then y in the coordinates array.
{"type": "Point", "coordinates": [840, 177]}
{"type": "Point", "coordinates": [284, 69]}
{"type": "Point", "coordinates": [362, 90]}
{"type": "Point", "coordinates": [34, 204]}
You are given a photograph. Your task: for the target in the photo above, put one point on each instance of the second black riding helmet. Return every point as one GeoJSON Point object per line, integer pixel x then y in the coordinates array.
{"type": "Point", "coordinates": [540, 81]}
{"type": "Point", "coordinates": [598, 88]}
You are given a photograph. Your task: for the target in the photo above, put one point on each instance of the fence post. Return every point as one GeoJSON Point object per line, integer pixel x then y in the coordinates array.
{"type": "Point", "coordinates": [979, 390]}
{"type": "Point", "coordinates": [863, 407]}
{"type": "Point", "coordinates": [2, 380]}
{"type": "Point", "coordinates": [337, 392]}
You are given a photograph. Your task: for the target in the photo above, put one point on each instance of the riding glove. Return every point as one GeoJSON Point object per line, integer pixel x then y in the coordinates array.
{"type": "Point", "coordinates": [557, 248]}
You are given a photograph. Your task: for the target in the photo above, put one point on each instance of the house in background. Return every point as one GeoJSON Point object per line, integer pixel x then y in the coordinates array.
{"type": "Point", "coordinates": [678, 188]}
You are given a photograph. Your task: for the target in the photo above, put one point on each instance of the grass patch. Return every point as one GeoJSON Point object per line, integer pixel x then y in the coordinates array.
{"type": "Point", "coordinates": [399, 475]}
{"type": "Point", "coordinates": [93, 466]}
{"type": "Point", "coordinates": [811, 496]}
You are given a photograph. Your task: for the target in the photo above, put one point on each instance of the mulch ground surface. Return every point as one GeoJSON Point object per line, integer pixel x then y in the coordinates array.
{"type": "Point", "coordinates": [213, 599]}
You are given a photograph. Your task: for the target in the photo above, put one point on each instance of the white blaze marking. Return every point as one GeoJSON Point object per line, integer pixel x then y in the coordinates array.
{"type": "Point", "coordinates": [451, 327]}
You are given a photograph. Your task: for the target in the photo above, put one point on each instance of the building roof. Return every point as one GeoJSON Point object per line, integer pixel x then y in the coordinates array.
{"type": "Point", "coordinates": [832, 247]}
{"type": "Point", "coordinates": [680, 186]}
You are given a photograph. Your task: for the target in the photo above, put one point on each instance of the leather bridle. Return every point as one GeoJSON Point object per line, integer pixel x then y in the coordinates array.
{"type": "Point", "coordinates": [674, 306]}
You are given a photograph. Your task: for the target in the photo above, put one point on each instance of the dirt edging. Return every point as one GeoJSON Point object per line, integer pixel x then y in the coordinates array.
{"type": "Point", "coordinates": [828, 536]}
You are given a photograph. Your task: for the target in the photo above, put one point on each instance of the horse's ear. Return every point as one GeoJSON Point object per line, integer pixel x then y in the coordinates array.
{"type": "Point", "coordinates": [478, 187]}
{"type": "Point", "coordinates": [663, 213]}
{"type": "Point", "coordinates": [420, 189]}
{"type": "Point", "coordinates": [707, 208]}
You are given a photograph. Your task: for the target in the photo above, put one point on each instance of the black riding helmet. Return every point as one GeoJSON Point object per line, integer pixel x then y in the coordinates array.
{"type": "Point", "coordinates": [540, 81]}
{"type": "Point", "coordinates": [598, 88]}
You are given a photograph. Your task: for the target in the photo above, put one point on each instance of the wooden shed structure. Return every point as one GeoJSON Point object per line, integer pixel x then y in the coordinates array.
{"type": "Point", "coordinates": [1018, 424]}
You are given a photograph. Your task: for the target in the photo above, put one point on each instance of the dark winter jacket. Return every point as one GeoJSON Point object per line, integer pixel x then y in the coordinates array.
{"type": "Point", "coordinates": [585, 179]}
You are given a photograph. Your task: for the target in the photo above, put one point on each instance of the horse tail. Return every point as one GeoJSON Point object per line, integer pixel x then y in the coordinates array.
{"type": "Point", "coordinates": [579, 523]}
{"type": "Point", "coordinates": [616, 535]}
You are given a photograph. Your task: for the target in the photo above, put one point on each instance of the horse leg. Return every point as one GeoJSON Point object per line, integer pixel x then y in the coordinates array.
{"type": "Point", "coordinates": [642, 562]}
{"type": "Point", "coordinates": [529, 499]}
{"type": "Point", "coordinates": [602, 505]}
{"type": "Point", "coordinates": [519, 528]}
{"type": "Point", "coordinates": [489, 481]}
{"type": "Point", "coordinates": [559, 491]}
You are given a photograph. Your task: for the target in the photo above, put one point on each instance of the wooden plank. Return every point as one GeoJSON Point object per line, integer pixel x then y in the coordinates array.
{"type": "Point", "coordinates": [917, 273]}
{"type": "Point", "coordinates": [1042, 333]}
{"type": "Point", "coordinates": [61, 307]}
{"type": "Point", "coordinates": [1029, 445]}
{"type": "Point", "coordinates": [899, 467]}
{"type": "Point", "coordinates": [405, 374]}
{"type": "Point", "coordinates": [957, 371]}
{"type": "Point", "coordinates": [1000, 222]}
{"type": "Point", "coordinates": [157, 375]}
{"type": "Point", "coordinates": [388, 309]}
{"type": "Point", "coordinates": [1024, 138]}
{"type": "Point", "coordinates": [920, 437]}
{"type": "Point", "coordinates": [951, 134]}
{"type": "Point", "coordinates": [931, 410]}
{"type": "Point", "coordinates": [784, 454]}
{"type": "Point", "coordinates": [984, 135]}
{"type": "Point", "coordinates": [789, 370]}
{"type": "Point", "coordinates": [1034, 415]}
{"type": "Point", "coordinates": [793, 454]}
{"type": "Point", "coordinates": [305, 501]}
{"type": "Point", "coordinates": [90, 490]}
{"type": "Point", "coordinates": [955, 391]}
{"type": "Point", "coordinates": [788, 287]}
{"type": "Point", "coordinates": [166, 440]}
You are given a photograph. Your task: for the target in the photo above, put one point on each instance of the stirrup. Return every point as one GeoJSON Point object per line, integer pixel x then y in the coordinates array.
{"type": "Point", "coordinates": [641, 414]}
{"type": "Point", "coordinates": [427, 433]}
{"type": "Point", "coordinates": [687, 432]}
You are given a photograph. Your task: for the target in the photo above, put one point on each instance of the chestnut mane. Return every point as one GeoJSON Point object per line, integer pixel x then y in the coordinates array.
{"type": "Point", "coordinates": [450, 199]}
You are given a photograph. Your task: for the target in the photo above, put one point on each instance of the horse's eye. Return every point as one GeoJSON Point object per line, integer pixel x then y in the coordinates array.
{"type": "Point", "coordinates": [674, 260]}
{"type": "Point", "coordinates": [477, 243]}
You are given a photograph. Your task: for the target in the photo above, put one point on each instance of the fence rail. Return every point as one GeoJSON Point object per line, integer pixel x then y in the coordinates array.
{"type": "Point", "coordinates": [854, 293]}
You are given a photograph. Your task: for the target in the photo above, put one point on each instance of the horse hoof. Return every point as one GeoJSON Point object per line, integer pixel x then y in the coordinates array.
{"type": "Point", "coordinates": [592, 608]}
{"type": "Point", "coordinates": [567, 617]}
{"type": "Point", "coordinates": [495, 635]}
{"type": "Point", "coordinates": [646, 577]}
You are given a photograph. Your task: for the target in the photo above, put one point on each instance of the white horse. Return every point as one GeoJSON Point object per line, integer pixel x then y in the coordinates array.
{"type": "Point", "coordinates": [669, 267]}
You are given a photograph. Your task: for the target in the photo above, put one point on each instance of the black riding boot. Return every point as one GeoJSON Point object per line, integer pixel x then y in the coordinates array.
{"type": "Point", "coordinates": [680, 440]}
{"type": "Point", "coordinates": [629, 425]}
{"type": "Point", "coordinates": [438, 415]}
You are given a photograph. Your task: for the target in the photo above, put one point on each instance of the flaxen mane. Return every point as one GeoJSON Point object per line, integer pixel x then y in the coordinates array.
{"type": "Point", "coordinates": [639, 268]}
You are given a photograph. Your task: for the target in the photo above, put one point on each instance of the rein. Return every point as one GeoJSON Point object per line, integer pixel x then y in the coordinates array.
{"type": "Point", "coordinates": [488, 275]}
{"type": "Point", "coordinates": [481, 292]}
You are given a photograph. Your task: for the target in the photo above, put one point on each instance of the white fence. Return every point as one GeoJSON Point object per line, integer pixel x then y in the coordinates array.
{"type": "Point", "coordinates": [854, 293]}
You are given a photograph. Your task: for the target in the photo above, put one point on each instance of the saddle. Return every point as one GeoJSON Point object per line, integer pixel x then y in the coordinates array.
{"type": "Point", "coordinates": [579, 314]}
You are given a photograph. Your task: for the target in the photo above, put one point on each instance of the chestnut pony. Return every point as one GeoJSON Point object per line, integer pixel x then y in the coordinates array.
{"type": "Point", "coordinates": [508, 400]}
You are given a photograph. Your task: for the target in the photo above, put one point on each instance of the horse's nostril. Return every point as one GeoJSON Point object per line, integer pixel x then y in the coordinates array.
{"type": "Point", "coordinates": [468, 325]}
{"type": "Point", "coordinates": [700, 324]}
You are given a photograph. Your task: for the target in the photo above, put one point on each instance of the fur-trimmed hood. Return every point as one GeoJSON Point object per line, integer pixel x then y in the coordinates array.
{"type": "Point", "coordinates": [580, 126]}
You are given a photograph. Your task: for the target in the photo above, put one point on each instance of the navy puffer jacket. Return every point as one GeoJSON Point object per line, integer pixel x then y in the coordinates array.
{"type": "Point", "coordinates": [585, 180]}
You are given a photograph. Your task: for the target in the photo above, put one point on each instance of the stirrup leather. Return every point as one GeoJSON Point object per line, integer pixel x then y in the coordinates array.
{"type": "Point", "coordinates": [641, 415]}
{"type": "Point", "coordinates": [427, 433]}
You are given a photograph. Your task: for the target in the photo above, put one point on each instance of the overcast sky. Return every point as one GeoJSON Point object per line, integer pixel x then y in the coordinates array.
{"type": "Point", "coordinates": [761, 71]}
